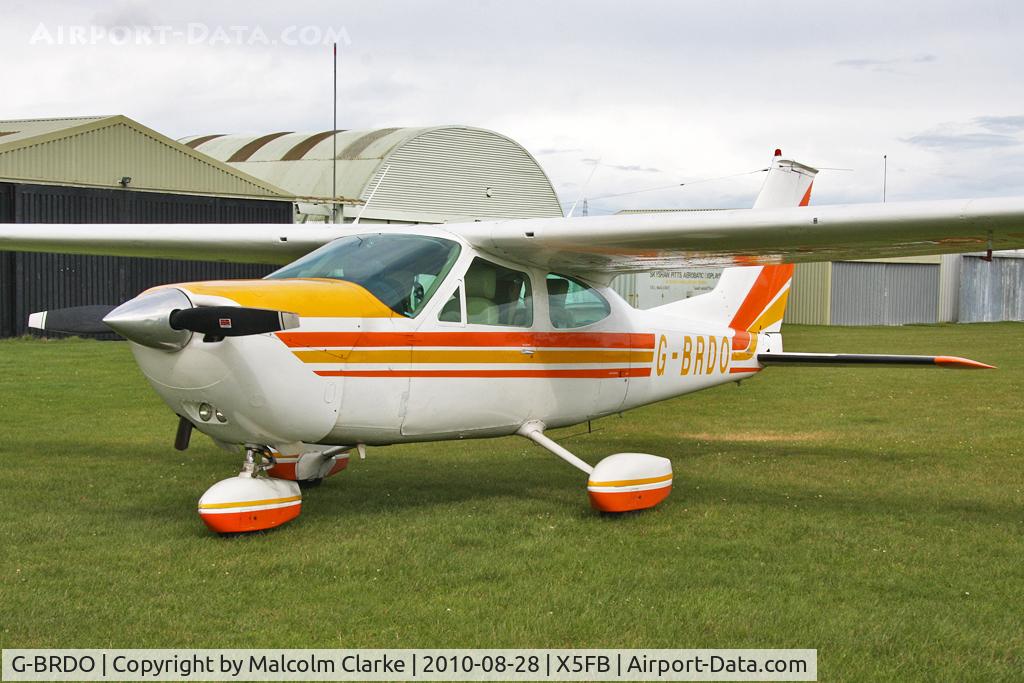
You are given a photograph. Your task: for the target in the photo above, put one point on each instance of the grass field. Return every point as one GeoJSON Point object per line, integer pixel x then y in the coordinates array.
{"type": "Point", "coordinates": [876, 515]}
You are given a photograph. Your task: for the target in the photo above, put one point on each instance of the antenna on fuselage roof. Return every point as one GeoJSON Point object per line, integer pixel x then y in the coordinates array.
{"type": "Point", "coordinates": [373, 192]}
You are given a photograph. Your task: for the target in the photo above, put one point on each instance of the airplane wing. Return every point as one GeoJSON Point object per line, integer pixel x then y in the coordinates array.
{"type": "Point", "coordinates": [234, 243]}
{"type": "Point", "coordinates": [737, 237]}
{"type": "Point", "coordinates": [598, 244]}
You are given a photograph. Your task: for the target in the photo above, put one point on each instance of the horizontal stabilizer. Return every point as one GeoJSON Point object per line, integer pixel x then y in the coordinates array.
{"type": "Point", "coordinates": [851, 359]}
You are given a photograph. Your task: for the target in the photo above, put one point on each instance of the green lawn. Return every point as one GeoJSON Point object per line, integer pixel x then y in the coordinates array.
{"type": "Point", "coordinates": [873, 514]}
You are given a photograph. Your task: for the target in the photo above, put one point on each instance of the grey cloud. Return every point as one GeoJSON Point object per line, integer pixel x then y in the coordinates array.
{"type": "Point", "coordinates": [629, 168]}
{"type": "Point", "coordinates": [633, 168]}
{"type": "Point", "coordinates": [961, 141]}
{"type": "Point", "coordinates": [545, 151]}
{"type": "Point", "coordinates": [1001, 124]}
{"type": "Point", "coordinates": [125, 14]}
{"type": "Point", "coordinates": [885, 65]}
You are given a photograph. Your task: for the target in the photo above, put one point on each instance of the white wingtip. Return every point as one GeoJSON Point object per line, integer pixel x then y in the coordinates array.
{"type": "Point", "coordinates": [37, 321]}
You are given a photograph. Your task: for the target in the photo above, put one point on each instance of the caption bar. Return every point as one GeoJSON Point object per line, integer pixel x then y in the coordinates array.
{"type": "Point", "coordinates": [410, 665]}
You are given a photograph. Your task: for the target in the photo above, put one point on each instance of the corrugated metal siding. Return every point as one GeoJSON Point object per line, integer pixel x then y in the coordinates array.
{"type": "Point", "coordinates": [625, 285]}
{"type": "Point", "coordinates": [884, 293]}
{"type": "Point", "coordinates": [34, 282]}
{"type": "Point", "coordinates": [7, 282]}
{"type": "Point", "coordinates": [102, 156]}
{"type": "Point", "coordinates": [7, 266]}
{"type": "Point", "coordinates": [447, 171]}
{"type": "Point", "coordinates": [8, 285]}
{"type": "Point", "coordinates": [810, 297]}
{"type": "Point", "coordinates": [949, 288]}
{"type": "Point", "coordinates": [991, 291]}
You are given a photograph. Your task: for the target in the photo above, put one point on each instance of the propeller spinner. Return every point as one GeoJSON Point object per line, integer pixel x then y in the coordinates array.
{"type": "Point", "coordinates": [165, 320]}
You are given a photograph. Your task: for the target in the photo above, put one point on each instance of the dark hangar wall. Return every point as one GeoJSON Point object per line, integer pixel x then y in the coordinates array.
{"type": "Point", "coordinates": [32, 282]}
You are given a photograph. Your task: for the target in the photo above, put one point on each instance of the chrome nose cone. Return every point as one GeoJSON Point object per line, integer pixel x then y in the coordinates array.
{"type": "Point", "coordinates": [145, 320]}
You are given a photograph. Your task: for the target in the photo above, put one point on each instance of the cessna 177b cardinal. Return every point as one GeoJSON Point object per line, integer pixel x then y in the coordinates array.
{"type": "Point", "coordinates": [382, 335]}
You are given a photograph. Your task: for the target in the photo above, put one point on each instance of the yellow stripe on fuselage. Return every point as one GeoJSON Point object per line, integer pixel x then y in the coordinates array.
{"type": "Point", "coordinates": [472, 356]}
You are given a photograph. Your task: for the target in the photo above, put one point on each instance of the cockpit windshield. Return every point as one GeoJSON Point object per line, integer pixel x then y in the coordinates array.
{"type": "Point", "coordinates": [403, 271]}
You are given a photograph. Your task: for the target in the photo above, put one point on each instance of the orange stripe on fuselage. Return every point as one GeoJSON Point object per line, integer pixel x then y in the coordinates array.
{"type": "Point", "coordinates": [599, 340]}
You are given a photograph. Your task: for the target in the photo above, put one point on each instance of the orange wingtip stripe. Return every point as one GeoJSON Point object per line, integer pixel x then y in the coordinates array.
{"type": "Point", "coordinates": [736, 371]}
{"type": "Point", "coordinates": [962, 363]}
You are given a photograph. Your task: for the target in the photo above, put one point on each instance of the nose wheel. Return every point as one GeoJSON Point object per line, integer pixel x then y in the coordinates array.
{"type": "Point", "coordinates": [252, 500]}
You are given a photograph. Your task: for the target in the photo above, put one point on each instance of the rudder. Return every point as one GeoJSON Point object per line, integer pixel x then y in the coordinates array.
{"type": "Point", "coordinates": [753, 298]}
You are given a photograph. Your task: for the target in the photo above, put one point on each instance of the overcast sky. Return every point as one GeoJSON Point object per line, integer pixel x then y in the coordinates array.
{"type": "Point", "coordinates": [654, 93]}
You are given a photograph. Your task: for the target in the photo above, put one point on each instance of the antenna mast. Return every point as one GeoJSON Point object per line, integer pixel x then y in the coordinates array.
{"type": "Point", "coordinates": [885, 169]}
{"type": "Point", "coordinates": [334, 143]}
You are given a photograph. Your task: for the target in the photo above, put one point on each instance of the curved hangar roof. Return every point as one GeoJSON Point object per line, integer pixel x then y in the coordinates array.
{"type": "Point", "coordinates": [436, 174]}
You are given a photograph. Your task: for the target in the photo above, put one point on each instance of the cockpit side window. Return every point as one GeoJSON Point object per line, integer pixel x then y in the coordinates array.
{"type": "Point", "coordinates": [403, 271]}
{"type": "Point", "coordinates": [573, 303]}
{"type": "Point", "coordinates": [451, 312]}
{"type": "Point", "coordinates": [496, 295]}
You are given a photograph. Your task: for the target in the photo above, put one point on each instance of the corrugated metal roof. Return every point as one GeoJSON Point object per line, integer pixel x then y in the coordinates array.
{"type": "Point", "coordinates": [97, 151]}
{"type": "Point", "coordinates": [434, 174]}
{"type": "Point", "coordinates": [23, 129]}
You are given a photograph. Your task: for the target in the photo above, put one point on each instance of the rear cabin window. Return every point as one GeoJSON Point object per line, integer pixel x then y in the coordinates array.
{"type": "Point", "coordinates": [496, 295]}
{"type": "Point", "coordinates": [573, 303]}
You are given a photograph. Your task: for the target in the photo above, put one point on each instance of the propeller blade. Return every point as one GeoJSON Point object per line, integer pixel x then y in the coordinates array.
{"type": "Point", "coordinates": [74, 320]}
{"type": "Point", "coordinates": [232, 321]}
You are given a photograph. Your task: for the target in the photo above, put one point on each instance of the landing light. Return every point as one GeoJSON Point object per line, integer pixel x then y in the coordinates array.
{"type": "Point", "coordinates": [220, 416]}
{"type": "Point", "coordinates": [205, 412]}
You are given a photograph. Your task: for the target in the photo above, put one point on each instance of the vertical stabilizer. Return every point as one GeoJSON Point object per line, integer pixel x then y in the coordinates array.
{"type": "Point", "coordinates": [787, 184]}
{"type": "Point", "coordinates": [753, 298]}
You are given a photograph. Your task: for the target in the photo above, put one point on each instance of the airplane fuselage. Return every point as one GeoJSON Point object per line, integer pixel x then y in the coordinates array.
{"type": "Point", "coordinates": [356, 372]}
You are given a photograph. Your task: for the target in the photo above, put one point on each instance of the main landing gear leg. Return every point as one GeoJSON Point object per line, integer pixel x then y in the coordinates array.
{"type": "Point", "coordinates": [619, 483]}
{"type": "Point", "coordinates": [309, 468]}
{"type": "Point", "coordinates": [251, 501]}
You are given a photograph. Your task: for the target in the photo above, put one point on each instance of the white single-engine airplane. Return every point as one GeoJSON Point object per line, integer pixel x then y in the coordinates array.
{"type": "Point", "coordinates": [386, 335]}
